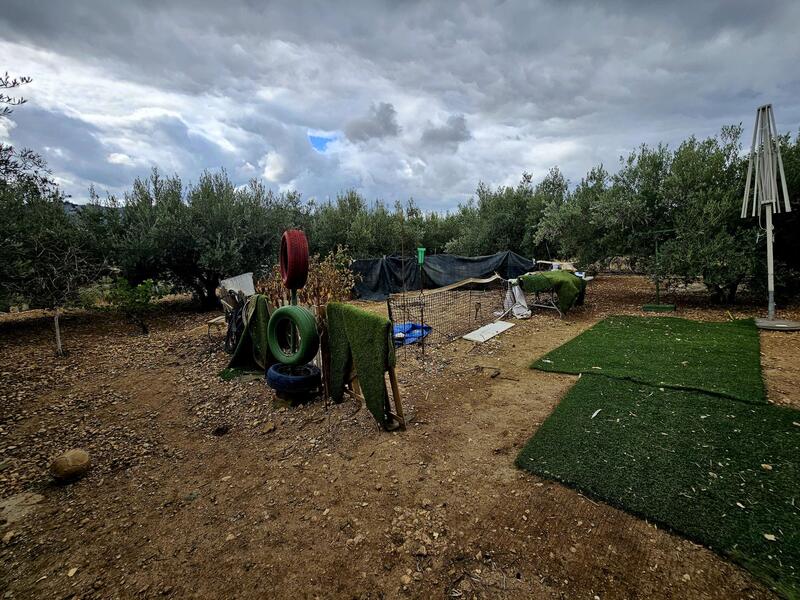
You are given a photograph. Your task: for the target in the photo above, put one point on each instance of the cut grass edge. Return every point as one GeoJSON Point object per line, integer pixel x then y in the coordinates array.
{"type": "Point", "coordinates": [763, 576]}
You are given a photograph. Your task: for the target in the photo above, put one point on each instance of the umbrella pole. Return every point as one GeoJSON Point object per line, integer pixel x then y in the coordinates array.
{"type": "Point", "coordinates": [770, 266]}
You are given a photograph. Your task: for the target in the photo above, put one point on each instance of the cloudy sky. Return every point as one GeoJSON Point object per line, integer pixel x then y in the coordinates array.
{"type": "Point", "coordinates": [395, 99]}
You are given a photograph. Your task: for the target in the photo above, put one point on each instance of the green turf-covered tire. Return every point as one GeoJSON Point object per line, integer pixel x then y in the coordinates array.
{"type": "Point", "coordinates": [279, 327]}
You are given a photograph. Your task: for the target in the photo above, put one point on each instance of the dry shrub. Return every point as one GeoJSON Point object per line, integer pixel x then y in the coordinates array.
{"type": "Point", "coordinates": [329, 280]}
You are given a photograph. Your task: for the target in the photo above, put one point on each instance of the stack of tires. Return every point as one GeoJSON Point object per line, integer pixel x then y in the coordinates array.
{"type": "Point", "coordinates": [292, 330]}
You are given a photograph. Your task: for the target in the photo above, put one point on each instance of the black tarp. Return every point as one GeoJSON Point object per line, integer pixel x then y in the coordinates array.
{"type": "Point", "coordinates": [380, 277]}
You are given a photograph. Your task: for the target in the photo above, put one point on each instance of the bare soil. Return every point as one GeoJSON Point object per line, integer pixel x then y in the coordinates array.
{"type": "Point", "coordinates": [201, 488]}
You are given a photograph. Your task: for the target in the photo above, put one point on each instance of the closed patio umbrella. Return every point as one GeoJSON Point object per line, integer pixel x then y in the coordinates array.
{"type": "Point", "coordinates": [761, 196]}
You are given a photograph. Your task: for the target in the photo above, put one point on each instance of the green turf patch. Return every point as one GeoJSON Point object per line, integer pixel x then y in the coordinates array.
{"type": "Point", "coordinates": [231, 373]}
{"type": "Point", "coordinates": [718, 358]}
{"type": "Point", "coordinates": [364, 340]}
{"type": "Point", "coordinates": [687, 460]}
{"type": "Point", "coordinates": [569, 288]}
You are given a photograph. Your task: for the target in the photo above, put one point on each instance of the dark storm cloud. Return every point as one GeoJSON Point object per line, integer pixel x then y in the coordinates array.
{"type": "Point", "coordinates": [449, 134]}
{"type": "Point", "coordinates": [380, 122]}
{"type": "Point", "coordinates": [483, 90]}
{"type": "Point", "coordinates": [69, 145]}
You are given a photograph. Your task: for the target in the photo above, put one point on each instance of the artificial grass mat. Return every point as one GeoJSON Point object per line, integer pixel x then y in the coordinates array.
{"type": "Point", "coordinates": [692, 462]}
{"type": "Point", "coordinates": [231, 373]}
{"type": "Point", "coordinates": [363, 340]}
{"type": "Point", "coordinates": [718, 358]}
{"type": "Point", "coordinates": [569, 288]}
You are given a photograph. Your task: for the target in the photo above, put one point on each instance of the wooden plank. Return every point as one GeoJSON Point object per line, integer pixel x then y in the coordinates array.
{"type": "Point", "coordinates": [398, 403]}
{"type": "Point", "coordinates": [488, 331]}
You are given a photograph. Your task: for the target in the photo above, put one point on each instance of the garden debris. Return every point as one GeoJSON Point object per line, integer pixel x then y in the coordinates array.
{"type": "Point", "coordinates": [487, 332]}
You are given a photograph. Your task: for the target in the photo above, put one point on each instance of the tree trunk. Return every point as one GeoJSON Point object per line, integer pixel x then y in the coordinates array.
{"type": "Point", "coordinates": [207, 294]}
{"type": "Point", "coordinates": [141, 324]}
{"type": "Point", "coordinates": [59, 348]}
{"type": "Point", "coordinates": [730, 293]}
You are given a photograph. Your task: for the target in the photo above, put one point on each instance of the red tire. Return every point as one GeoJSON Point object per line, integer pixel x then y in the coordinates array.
{"type": "Point", "coordinates": [294, 259]}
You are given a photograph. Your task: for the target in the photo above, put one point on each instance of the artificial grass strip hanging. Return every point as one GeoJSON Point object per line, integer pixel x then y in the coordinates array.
{"type": "Point", "coordinates": [723, 473]}
{"type": "Point", "coordinates": [569, 288]}
{"type": "Point", "coordinates": [364, 340]}
{"type": "Point", "coordinates": [718, 358]}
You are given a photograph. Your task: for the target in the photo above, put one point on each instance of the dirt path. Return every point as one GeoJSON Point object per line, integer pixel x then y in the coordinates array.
{"type": "Point", "coordinates": [201, 489]}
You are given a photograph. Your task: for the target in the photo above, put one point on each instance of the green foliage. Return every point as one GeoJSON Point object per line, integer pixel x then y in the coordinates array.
{"type": "Point", "coordinates": [574, 226]}
{"type": "Point", "coordinates": [135, 302]}
{"type": "Point", "coordinates": [192, 236]}
{"type": "Point", "coordinates": [499, 220]}
{"type": "Point", "coordinates": [374, 230]}
{"type": "Point", "coordinates": [709, 240]}
{"type": "Point", "coordinates": [687, 200]}
{"type": "Point", "coordinates": [45, 256]}
{"type": "Point", "coordinates": [199, 235]}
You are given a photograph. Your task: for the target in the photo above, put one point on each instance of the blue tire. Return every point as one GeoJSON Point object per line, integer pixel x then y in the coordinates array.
{"type": "Point", "coordinates": [287, 379]}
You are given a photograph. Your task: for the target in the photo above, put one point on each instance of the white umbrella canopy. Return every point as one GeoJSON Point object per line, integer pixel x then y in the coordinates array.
{"type": "Point", "coordinates": [761, 196]}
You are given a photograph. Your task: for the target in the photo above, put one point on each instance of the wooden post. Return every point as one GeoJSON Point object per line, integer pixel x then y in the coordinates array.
{"type": "Point", "coordinates": [59, 349]}
{"type": "Point", "coordinates": [398, 404]}
{"type": "Point", "coordinates": [324, 352]}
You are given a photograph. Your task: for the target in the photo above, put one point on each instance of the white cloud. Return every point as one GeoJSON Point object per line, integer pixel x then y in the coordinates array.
{"type": "Point", "coordinates": [414, 105]}
{"type": "Point", "coordinates": [6, 125]}
{"type": "Point", "coordinates": [119, 158]}
{"type": "Point", "coordinates": [274, 166]}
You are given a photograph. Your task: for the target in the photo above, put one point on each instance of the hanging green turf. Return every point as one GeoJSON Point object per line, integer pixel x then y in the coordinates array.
{"type": "Point", "coordinates": [365, 340]}
{"type": "Point", "coordinates": [718, 358]}
{"type": "Point", "coordinates": [569, 287]}
{"type": "Point", "coordinates": [723, 473]}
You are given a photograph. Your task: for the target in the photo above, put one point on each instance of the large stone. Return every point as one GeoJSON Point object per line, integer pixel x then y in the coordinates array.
{"type": "Point", "coordinates": [70, 465]}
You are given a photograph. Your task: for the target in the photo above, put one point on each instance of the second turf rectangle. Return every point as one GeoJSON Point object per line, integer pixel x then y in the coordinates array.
{"type": "Point", "coordinates": [723, 473]}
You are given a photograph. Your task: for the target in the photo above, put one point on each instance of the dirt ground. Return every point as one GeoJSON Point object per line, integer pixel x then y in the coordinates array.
{"type": "Point", "coordinates": [200, 488]}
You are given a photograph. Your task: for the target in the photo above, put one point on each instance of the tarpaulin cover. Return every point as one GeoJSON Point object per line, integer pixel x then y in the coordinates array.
{"type": "Point", "coordinates": [253, 352]}
{"type": "Point", "coordinates": [409, 333]}
{"type": "Point", "coordinates": [380, 277]}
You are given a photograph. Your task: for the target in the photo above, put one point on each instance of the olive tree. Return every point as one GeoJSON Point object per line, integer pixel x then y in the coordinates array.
{"type": "Point", "coordinates": [45, 257]}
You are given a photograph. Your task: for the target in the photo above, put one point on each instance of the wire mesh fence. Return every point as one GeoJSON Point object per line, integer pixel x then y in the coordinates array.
{"type": "Point", "coordinates": [444, 314]}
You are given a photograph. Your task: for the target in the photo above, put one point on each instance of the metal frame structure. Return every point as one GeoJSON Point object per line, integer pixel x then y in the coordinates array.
{"type": "Point", "coordinates": [764, 168]}
{"type": "Point", "coordinates": [450, 311]}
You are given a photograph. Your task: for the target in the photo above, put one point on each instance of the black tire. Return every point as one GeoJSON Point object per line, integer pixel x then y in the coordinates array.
{"type": "Point", "coordinates": [235, 330]}
{"type": "Point", "coordinates": [294, 380]}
